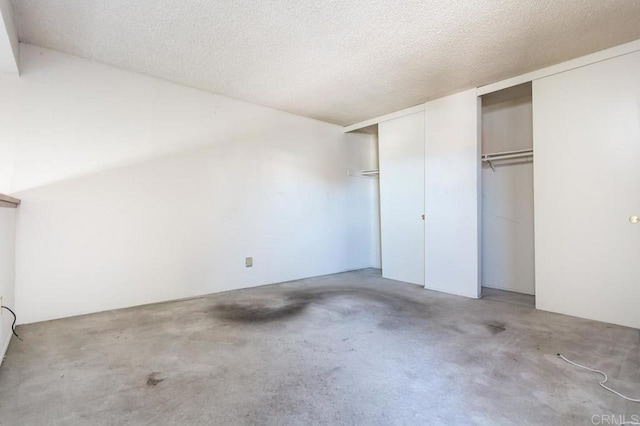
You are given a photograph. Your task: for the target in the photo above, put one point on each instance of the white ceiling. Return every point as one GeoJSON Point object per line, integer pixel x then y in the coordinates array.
{"type": "Point", "coordinates": [338, 61]}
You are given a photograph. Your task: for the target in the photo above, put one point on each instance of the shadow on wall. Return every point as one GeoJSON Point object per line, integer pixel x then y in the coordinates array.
{"type": "Point", "coordinates": [75, 117]}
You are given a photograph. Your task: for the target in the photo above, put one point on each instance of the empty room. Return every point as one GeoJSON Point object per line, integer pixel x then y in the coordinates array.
{"type": "Point", "coordinates": [299, 212]}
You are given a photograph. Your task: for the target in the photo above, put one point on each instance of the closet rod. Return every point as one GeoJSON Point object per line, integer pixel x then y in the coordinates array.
{"type": "Point", "coordinates": [508, 154]}
{"type": "Point", "coordinates": [372, 172]}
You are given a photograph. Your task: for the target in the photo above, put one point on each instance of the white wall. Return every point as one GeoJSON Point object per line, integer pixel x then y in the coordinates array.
{"type": "Point", "coordinates": [587, 185]}
{"type": "Point", "coordinates": [9, 51]}
{"type": "Point", "coordinates": [507, 193]}
{"type": "Point", "coordinates": [135, 190]}
{"type": "Point", "coordinates": [452, 194]}
{"type": "Point", "coordinates": [7, 262]}
{"type": "Point", "coordinates": [94, 117]}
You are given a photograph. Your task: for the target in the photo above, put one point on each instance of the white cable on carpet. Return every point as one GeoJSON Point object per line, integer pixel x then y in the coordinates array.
{"type": "Point", "coordinates": [602, 383]}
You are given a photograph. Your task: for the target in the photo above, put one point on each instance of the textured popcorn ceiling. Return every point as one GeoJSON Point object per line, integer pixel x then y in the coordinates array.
{"type": "Point", "coordinates": [338, 61]}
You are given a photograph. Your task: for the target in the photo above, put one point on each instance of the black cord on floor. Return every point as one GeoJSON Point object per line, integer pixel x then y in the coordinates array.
{"type": "Point", "coordinates": [15, 318]}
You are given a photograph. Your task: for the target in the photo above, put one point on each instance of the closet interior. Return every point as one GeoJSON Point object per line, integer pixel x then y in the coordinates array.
{"type": "Point", "coordinates": [364, 169]}
{"type": "Point", "coordinates": [507, 259]}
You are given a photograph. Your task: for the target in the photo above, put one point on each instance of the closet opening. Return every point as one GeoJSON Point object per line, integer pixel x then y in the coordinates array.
{"type": "Point", "coordinates": [396, 170]}
{"type": "Point", "coordinates": [507, 237]}
{"type": "Point", "coordinates": [364, 175]}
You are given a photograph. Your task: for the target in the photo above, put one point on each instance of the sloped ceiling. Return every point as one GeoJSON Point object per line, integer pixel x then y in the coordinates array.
{"type": "Point", "coordinates": [337, 61]}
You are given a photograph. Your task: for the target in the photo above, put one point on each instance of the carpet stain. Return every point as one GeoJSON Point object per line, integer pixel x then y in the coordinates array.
{"type": "Point", "coordinates": [266, 310]}
{"type": "Point", "coordinates": [496, 327]}
{"type": "Point", "coordinates": [152, 380]}
{"type": "Point", "coordinates": [259, 312]}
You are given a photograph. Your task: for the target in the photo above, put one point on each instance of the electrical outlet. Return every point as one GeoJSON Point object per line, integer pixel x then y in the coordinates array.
{"type": "Point", "coordinates": [248, 262]}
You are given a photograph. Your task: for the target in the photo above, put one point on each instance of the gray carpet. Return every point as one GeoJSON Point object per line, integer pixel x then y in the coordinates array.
{"type": "Point", "coordinates": [349, 348]}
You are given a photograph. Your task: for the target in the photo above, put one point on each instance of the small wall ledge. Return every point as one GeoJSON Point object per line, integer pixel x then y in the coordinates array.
{"type": "Point", "coordinates": [6, 201]}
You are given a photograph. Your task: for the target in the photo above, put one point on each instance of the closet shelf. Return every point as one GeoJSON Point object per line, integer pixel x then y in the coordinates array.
{"type": "Point", "coordinates": [6, 201]}
{"type": "Point", "coordinates": [506, 155]}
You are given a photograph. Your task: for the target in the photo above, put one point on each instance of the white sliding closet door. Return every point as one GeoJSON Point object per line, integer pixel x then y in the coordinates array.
{"type": "Point", "coordinates": [452, 183]}
{"type": "Point", "coordinates": [401, 158]}
{"type": "Point", "coordinates": [586, 138]}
